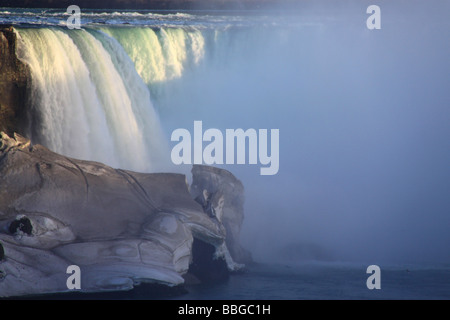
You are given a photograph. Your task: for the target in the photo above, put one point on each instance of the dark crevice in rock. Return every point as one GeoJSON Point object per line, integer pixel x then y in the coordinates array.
{"type": "Point", "coordinates": [205, 200]}
{"type": "Point", "coordinates": [84, 177]}
{"type": "Point", "coordinates": [2, 252]}
{"type": "Point", "coordinates": [205, 266]}
{"type": "Point", "coordinates": [23, 225]}
{"type": "Point", "coordinates": [38, 169]}
{"type": "Point", "coordinates": [138, 187]}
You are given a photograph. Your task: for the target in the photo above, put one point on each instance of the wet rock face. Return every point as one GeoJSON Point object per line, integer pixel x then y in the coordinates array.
{"type": "Point", "coordinates": [121, 228]}
{"type": "Point", "coordinates": [15, 77]}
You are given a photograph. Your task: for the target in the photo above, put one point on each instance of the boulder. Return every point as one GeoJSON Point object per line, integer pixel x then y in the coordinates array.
{"type": "Point", "coordinates": [221, 195]}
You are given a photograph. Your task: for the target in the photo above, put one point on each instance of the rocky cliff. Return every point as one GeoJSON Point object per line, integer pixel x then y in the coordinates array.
{"type": "Point", "coordinates": [121, 228]}
{"type": "Point", "coordinates": [14, 79]}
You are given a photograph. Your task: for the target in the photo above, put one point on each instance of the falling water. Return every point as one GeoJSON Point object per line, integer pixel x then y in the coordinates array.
{"type": "Point", "coordinates": [89, 99]}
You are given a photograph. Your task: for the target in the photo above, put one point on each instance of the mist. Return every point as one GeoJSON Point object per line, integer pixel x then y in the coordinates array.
{"type": "Point", "coordinates": [364, 130]}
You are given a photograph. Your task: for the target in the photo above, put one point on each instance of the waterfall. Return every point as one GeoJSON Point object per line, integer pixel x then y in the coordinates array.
{"type": "Point", "coordinates": [89, 100]}
{"type": "Point", "coordinates": [160, 55]}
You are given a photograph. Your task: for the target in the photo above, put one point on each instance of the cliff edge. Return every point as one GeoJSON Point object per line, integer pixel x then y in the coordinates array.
{"type": "Point", "coordinates": [14, 80]}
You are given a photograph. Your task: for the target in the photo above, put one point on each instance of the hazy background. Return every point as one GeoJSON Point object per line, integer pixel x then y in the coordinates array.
{"type": "Point", "coordinates": [364, 119]}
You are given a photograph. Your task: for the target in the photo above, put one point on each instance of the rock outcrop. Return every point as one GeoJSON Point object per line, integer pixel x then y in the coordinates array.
{"type": "Point", "coordinates": [221, 195]}
{"type": "Point", "coordinates": [14, 81]}
{"type": "Point", "coordinates": [121, 228]}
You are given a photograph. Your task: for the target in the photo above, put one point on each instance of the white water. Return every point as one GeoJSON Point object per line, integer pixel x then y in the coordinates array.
{"type": "Point", "coordinates": [91, 102]}
{"type": "Point", "coordinates": [160, 56]}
